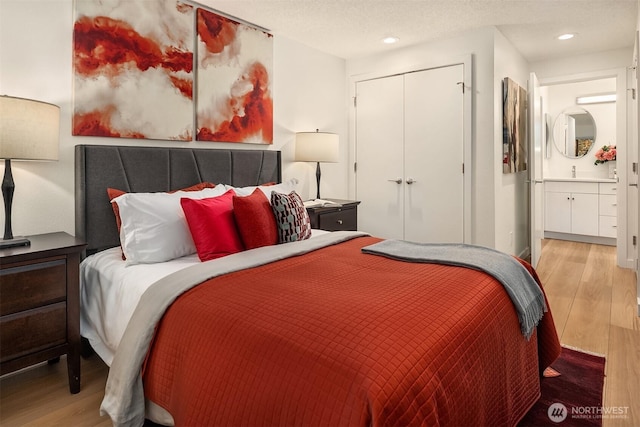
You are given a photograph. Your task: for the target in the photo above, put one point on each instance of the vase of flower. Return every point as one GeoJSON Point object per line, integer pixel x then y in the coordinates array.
{"type": "Point", "coordinates": [607, 154]}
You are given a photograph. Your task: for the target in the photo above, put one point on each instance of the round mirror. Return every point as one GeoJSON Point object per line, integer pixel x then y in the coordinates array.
{"type": "Point", "coordinates": [574, 132]}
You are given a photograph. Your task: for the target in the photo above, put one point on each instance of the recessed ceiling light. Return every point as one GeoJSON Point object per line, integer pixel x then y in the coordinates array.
{"type": "Point", "coordinates": [566, 36]}
{"type": "Point", "coordinates": [390, 40]}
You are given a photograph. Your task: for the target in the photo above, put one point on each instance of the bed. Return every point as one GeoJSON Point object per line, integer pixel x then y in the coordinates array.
{"type": "Point", "coordinates": [320, 331]}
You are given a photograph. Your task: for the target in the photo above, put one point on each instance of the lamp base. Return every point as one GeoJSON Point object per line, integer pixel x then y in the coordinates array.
{"type": "Point", "coordinates": [16, 241]}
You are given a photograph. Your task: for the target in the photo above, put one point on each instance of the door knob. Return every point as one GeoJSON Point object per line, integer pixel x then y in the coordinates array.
{"type": "Point", "coordinates": [411, 181]}
{"type": "Point", "coordinates": [397, 180]}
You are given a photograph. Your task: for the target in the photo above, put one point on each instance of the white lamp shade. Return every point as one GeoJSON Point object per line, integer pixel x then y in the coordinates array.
{"type": "Point", "coordinates": [317, 147]}
{"type": "Point", "coordinates": [29, 130]}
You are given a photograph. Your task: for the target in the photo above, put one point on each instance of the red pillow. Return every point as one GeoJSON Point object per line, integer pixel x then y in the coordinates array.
{"type": "Point", "coordinates": [255, 220]}
{"type": "Point", "coordinates": [212, 225]}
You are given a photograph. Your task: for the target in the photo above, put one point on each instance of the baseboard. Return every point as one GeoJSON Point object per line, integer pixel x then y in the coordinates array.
{"type": "Point", "coordinates": [580, 238]}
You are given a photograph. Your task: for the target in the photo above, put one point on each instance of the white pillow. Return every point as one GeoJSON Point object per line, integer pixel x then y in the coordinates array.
{"type": "Point", "coordinates": [154, 228]}
{"type": "Point", "coordinates": [283, 188]}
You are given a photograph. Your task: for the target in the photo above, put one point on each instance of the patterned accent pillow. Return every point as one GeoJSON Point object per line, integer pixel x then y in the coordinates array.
{"type": "Point", "coordinates": [291, 216]}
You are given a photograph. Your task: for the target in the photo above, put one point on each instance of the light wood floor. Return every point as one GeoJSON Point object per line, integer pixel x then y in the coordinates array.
{"type": "Point", "coordinates": [595, 309]}
{"type": "Point", "coordinates": [593, 303]}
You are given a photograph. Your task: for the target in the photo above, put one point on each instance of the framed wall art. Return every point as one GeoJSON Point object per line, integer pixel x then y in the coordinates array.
{"type": "Point", "coordinates": [234, 81]}
{"type": "Point", "coordinates": [136, 75]}
{"type": "Point", "coordinates": [133, 69]}
{"type": "Point", "coordinates": [514, 127]}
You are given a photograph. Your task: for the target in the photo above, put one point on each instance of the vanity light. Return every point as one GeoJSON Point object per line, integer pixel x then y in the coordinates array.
{"type": "Point", "coordinates": [566, 36]}
{"type": "Point", "coordinates": [596, 99]}
{"type": "Point", "coordinates": [390, 40]}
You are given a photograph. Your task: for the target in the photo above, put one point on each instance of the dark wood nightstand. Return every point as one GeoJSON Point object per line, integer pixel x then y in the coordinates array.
{"type": "Point", "coordinates": [340, 217]}
{"type": "Point", "coordinates": [40, 304]}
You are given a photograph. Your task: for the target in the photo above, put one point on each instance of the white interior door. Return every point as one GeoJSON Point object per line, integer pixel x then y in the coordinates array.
{"type": "Point", "coordinates": [434, 178]}
{"type": "Point", "coordinates": [536, 126]}
{"type": "Point", "coordinates": [379, 156]}
{"type": "Point", "coordinates": [409, 155]}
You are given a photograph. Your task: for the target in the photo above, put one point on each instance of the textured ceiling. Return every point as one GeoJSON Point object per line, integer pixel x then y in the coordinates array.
{"type": "Point", "coordinates": [354, 28]}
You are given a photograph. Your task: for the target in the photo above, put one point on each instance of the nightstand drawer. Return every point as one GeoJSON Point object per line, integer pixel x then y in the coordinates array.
{"type": "Point", "coordinates": [32, 285]}
{"type": "Point", "coordinates": [33, 330]}
{"type": "Point", "coordinates": [341, 219]}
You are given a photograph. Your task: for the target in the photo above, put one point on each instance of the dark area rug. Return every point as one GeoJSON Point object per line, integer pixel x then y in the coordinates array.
{"type": "Point", "coordinates": [575, 397]}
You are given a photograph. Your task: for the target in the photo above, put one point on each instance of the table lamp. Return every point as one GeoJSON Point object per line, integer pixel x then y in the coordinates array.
{"type": "Point", "coordinates": [317, 147]}
{"type": "Point", "coordinates": [29, 130]}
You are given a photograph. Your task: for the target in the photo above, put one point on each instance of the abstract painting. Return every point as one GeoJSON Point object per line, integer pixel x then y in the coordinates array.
{"type": "Point", "coordinates": [234, 81]}
{"type": "Point", "coordinates": [133, 69]}
{"type": "Point", "coordinates": [514, 127]}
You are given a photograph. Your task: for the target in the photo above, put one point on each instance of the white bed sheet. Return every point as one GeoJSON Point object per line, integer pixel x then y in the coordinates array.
{"type": "Point", "coordinates": [110, 290]}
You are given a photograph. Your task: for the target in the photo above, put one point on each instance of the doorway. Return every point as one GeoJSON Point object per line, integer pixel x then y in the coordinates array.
{"type": "Point", "coordinates": [560, 95]}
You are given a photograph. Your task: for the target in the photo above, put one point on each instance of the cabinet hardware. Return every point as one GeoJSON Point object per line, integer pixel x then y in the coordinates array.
{"type": "Point", "coordinates": [411, 181]}
{"type": "Point", "coordinates": [397, 180]}
{"type": "Point", "coordinates": [339, 221]}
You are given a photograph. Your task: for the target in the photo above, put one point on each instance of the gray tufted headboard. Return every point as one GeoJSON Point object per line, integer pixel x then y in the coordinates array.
{"type": "Point", "coordinates": [150, 169]}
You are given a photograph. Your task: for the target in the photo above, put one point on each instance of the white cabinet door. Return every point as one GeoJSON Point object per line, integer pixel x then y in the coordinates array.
{"type": "Point", "coordinates": [380, 156]}
{"type": "Point", "coordinates": [608, 205]}
{"type": "Point", "coordinates": [557, 212]}
{"type": "Point", "coordinates": [434, 186]}
{"type": "Point", "coordinates": [584, 214]}
{"type": "Point", "coordinates": [607, 226]}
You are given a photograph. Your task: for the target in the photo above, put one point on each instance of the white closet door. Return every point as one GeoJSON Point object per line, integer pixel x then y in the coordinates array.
{"type": "Point", "coordinates": [434, 201]}
{"type": "Point", "coordinates": [379, 156]}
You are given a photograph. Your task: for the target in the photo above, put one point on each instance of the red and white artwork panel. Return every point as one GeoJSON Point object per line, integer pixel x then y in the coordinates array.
{"type": "Point", "coordinates": [133, 69]}
{"type": "Point", "coordinates": [234, 81]}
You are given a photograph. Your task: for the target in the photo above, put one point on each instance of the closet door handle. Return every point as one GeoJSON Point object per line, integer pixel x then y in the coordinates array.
{"type": "Point", "coordinates": [411, 181]}
{"type": "Point", "coordinates": [397, 180]}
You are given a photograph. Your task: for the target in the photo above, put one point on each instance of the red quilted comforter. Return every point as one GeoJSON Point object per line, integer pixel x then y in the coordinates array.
{"type": "Point", "coordinates": [337, 337]}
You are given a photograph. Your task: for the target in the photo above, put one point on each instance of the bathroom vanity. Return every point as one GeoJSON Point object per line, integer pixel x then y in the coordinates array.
{"type": "Point", "coordinates": [583, 210]}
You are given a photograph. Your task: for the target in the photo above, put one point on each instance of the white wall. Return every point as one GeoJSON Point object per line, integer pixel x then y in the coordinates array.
{"type": "Point", "coordinates": [583, 63]}
{"type": "Point", "coordinates": [478, 43]}
{"type": "Point", "coordinates": [511, 190]}
{"type": "Point", "coordinates": [35, 62]}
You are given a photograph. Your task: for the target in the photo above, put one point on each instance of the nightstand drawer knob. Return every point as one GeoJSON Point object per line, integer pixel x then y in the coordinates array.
{"type": "Point", "coordinates": [339, 221]}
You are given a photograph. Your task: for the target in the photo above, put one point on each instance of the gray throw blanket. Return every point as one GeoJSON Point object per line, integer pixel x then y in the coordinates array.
{"type": "Point", "coordinates": [526, 295]}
